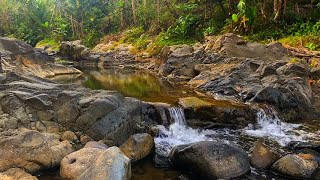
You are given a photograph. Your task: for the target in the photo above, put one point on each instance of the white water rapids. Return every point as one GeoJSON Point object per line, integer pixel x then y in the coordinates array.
{"type": "Point", "coordinates": [268, 126]}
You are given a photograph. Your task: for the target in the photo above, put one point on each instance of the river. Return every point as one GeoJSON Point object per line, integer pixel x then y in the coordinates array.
{"type": "Point", "coordinates": [147, 87]}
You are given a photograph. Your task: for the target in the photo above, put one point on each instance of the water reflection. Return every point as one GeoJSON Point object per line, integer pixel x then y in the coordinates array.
{"type": "Point", "coordinates": [129, 82]}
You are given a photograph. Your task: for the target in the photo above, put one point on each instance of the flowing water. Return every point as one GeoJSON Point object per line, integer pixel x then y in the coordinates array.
{"type": "Point", "coordinates": [147, 87]}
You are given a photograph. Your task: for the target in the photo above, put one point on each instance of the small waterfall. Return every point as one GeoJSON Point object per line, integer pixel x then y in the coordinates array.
{"type": "Point", "coordinates": [177, 134]}
{"type": "Point", "coordinates": [177, 114]}
{"type": "Point", "coordinates": [270, 126]}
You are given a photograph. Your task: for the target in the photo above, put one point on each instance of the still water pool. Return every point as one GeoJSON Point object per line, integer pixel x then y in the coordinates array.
{"type": "Point", "coordinates": [130, 83]}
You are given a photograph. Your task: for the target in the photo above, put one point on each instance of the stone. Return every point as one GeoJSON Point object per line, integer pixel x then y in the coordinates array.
{"type": "Point", "coordinates": [23, 58]}
{"type": "Point", "coordinates": [84, 139]}
{"type": "Point", "coordinates": [296, 165]}
{"type": "Point", "coordinates": [74, 164]}
{"type": "Point", "coordinates": [31, 150]}
{"type": "Point", "coordinates": [95, 163]}
{"type": "Point", "coordinates": [138, 146]}
{"type": "Point", "coordinates": [211, 160]}
{"type": "Point", "coordinates": [95, 144]}
{"type": "Point", "coordinates": [217, 111]}
{"type": "Point", "coordinates": [69, 136]}
{"type": "Point", "coordinates": [16, 174]}
{"type": "Point", "coordinates": [262, 156]}
{"type": "Point", "coordinates": [315, 73]}
{"type": "Point", "coordinates": [234, 46]}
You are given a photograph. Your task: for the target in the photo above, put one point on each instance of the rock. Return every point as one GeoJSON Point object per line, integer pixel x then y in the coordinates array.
{"type": "Point", "coordinates": [74, 164]}
{"type": "Point", "coordinates": [31, 150]}
{"type": "Point", "coordinates": [84, 139]}
{"type": "Point", "coordinates": [95, 144]}
{"type": "Point", "coordinates": [217, 111]}
{"type": "Point", "coordinates": [138, 146]}
{"type": "Point", "coordinates": [261, 156]}
{"type": "Point", "coordinates": [235, 46]}
{"type": "Point", "coordinates": [95, 163]}
{"type": "Point", "coordinates": [296, 165]}
{"type": "Point", "coordinates": [22, 58]}
{"type": "Point", "coordinates": [73, 49]}
{"type": "Point", "coordinates": [181, 51]}
{"type": "Point", "coordinates": [315, 73]}
{"type": "Point", "coordinates": [281, 84]}
{"type": "Point", "coordinates": [211, 160]}
{"type": "Point", "coordinates": [16, 174]}
{"type": "Point", "coordinates": [69, 136]}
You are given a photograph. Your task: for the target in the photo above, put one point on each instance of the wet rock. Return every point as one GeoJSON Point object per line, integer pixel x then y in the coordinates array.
{"type": "Point", "coordinates": [138, 146]}
{"type": "Point", "coordinates": [296, 165]}
{"type": "Point", "coordinates": [281, 84]}
{"type": "Point", "coordinates": [69, 136]}
{"type": "Point", "coordinates": [31, 150]}
{"type": "Point", "coordinates": [262, 156]}
{"type": "Point", "coordinates": [217, 111]}
{"type": "Point", "coordinates": [16, 174]}
{"type": "Point", "coordinates": [95, 163]}
{"type": "Point", "coordinates": [211, 160]}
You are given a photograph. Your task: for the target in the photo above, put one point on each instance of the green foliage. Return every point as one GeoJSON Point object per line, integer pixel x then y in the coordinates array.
{"type": "Point", "coordinates": [164, 22]}
{"type": "Point", "coordinates": [244, 19]}
{"type": "Point", "coordinates": [185, 27]}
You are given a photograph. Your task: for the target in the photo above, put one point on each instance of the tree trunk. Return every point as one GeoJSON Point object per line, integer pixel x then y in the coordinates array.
{"type": "Point", "coordinates": [134, 13]}
{"type": "Point", "coordinates": [279, 7]}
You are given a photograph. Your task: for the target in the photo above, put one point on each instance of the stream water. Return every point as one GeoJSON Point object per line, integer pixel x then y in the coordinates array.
{"type": "Point", "coordinates": [144, 86]}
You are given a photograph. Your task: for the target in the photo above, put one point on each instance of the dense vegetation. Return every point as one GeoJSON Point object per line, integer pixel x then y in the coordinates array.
{"type": "Point", "coordinates": [296, 23]}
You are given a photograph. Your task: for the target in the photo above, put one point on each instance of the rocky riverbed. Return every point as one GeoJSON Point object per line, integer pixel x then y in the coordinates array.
{"type": "Point", "coordinates": [99, 134]}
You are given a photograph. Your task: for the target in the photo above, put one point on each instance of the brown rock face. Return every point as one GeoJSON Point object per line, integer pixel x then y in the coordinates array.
{"type": "Point", "coordinates": [23, 58]}
{"type": "Point", "coordinates": [138, 146]}
{"type": "Point", "coordinates": [261, 156]}
{"type": "Point", "coordinates": [69, 136]}
{"type": "Point", "coordinates": [96, 163]}
{"type": "Point", "coordinates": [16, 174]}
{"type": "Point", "coordinates": [73, 165]}
{"type": "Point", "coordinates": [31, 150]}
{"type": "Point", "coordinates": [296, 165]}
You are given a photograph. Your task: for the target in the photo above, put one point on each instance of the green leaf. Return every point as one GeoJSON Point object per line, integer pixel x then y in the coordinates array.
{"type": "Point", "coordinates": [235, 18]}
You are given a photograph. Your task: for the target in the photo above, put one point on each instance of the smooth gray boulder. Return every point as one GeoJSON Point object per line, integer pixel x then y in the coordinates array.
{"type": "Point", "coordinates": [211, 160]}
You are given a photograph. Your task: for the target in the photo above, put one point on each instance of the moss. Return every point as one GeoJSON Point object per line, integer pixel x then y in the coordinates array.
{"type": "Point", "coordinates": [50, 43]}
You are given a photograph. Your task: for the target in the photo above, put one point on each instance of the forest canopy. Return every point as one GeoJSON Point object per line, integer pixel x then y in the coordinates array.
{"type": "Point", "coordinates": [169, 21]}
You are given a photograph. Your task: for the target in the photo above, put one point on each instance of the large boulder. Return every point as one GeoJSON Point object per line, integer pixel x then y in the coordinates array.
{"type": "Point", "coordinates": [296, 165]}
{"type": "Point", "coordinates": [235, 46]}
{"type": "Point", "coordinates": [96, 163]}
{"type": "Point", "coordinates": [138, 146]}
{"type": "Point", "coordinates": [31, 150]}
{"type": "Point", "coordinates": [22, 58]}
{"type": "Point", "coordinates": [211, 160]}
